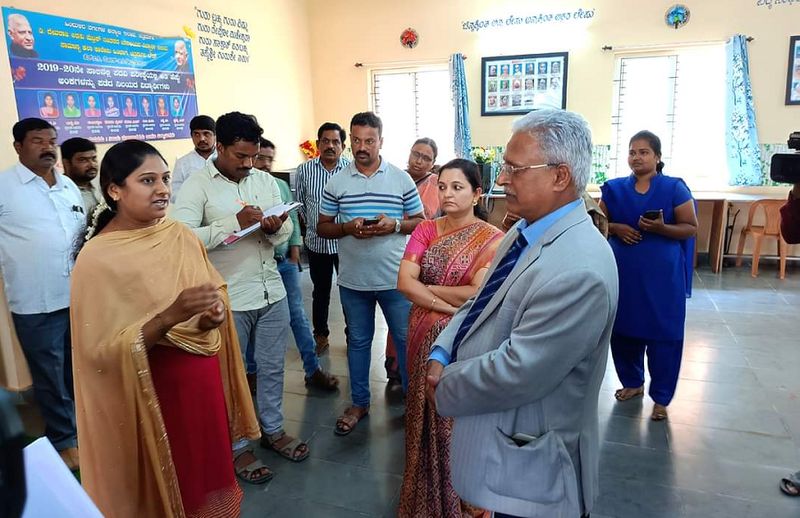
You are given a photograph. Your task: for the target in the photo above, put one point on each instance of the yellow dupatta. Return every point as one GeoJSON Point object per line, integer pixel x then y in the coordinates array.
{"type": "Point", "coordinates": [14, 373]}
{"type": "Point", "coordinates": [120, 281]}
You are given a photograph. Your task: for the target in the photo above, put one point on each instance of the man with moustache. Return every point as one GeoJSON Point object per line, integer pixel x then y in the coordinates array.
{"type": "Point", "coordinates": [21, 34]}
{"type": "Point", "coordinates": [79, 158]}
{"type": "Point", "coordinates": [224, 196]}
{"type": "Point", "coordinates": [520, 364]}
{"type": "Point", "coordinates": [323, 257]}
{"type": "Point", "coordinates": [42, 220]}
{"type": "Point", "coordinates": [377, 205]}
{"type": "Point", "coordinates": [204, 139]}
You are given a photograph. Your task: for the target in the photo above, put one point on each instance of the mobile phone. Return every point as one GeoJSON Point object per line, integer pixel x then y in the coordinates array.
{"type": "Point", "coordinates": [368, 222]}
{"type": "Point", "coordinates": [651, 214]}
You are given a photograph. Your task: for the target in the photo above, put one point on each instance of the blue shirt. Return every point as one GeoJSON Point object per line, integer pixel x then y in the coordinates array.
{"type": "Point", "coordinates": [532, 233]}
{"type": "Point", "coordinates": [370, 264]}
{"type": "Point", "coordinates": [40, 230]}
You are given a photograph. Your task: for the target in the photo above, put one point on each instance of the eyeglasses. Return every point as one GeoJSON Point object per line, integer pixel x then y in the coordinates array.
{"type": "Point", "coordinates": [510, 170]}
{"type": "Point", "coordinates": [416, 155]}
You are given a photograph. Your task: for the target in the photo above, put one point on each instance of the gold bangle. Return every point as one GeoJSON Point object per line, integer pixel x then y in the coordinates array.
{"type": "Point", "coordinates": [433, 303]}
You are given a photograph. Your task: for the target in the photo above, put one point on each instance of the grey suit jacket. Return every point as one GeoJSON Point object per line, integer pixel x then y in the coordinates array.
{"type": "Point", "coordinates": [533, 363]}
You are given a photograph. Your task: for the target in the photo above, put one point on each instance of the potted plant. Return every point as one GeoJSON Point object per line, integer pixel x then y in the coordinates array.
{"type": "Point", "coordinates": [484, 157]}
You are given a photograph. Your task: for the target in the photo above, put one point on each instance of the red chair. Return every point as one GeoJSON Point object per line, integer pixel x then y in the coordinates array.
{"type": "Point", "coordinates": [770, 228]}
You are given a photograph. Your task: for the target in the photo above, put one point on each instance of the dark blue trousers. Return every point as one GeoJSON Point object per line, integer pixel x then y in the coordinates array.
{"type": "Point", "coordinates": [663, 363]}
{"type": "Point", "coordinates": [45, 341]}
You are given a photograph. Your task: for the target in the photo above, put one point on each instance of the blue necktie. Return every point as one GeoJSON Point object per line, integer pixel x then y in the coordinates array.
{"type": "Point", "coordinates": [490, 288]}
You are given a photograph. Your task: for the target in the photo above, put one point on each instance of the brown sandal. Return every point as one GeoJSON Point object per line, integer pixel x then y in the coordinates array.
{"type": "Point", "coordinates": [351, 417]}
{"type": "Point", "coordinates": [286, 446]}
{"type": "Point", "coordinates": [322, 380]}
{"type": "Point", "coordinates": [245, 473]}
{"type": "Point", "coordinates": [659, 413]}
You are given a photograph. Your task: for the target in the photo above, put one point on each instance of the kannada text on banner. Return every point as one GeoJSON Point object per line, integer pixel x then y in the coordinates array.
{"type": "Point", "coordinates": [97, 81]}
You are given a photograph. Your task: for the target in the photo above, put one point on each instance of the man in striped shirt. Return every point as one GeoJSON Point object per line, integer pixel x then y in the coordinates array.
{"type": "Point", "coordinates": [323, 255]}
{"type": "Point", "coordinates": [377, 205]}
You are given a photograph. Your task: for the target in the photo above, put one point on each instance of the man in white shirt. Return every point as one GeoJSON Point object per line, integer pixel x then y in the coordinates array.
{"type": "Point", "coordinates": [42, 220]}
{"type": "Point", "coordinates": [204, 137]}
{"type": "Point", "coordinates": [225, 196]}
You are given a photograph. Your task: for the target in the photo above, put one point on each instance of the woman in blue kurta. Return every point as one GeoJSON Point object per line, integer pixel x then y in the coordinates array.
{"type": "Point", "coordinates": [651, 218]}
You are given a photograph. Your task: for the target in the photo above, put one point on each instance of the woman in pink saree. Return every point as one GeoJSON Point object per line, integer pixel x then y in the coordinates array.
{"type": "Point", "coordinates": [443, 266]}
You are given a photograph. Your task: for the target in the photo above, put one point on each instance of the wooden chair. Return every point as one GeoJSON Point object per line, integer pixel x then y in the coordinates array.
{"type": "Point", "coordinates": [770, 228]}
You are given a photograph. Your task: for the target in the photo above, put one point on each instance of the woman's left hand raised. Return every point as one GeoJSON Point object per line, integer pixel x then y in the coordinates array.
{"type": "Point", "coordinates": [213, 317]}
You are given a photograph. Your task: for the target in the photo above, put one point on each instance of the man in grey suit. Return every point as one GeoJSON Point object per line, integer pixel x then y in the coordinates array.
{"type": "Point", "coordinates": [526, 356]}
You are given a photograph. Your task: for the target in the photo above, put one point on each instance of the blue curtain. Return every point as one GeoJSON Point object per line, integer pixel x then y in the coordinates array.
{"type": "Point", "coordinates": [744, 154]}
{"type": "Point", "coordinates": [463, 136]}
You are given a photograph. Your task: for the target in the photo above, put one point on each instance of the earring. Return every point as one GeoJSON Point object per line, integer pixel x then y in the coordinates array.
{"type": "Point", "coordinates": [474, 203]}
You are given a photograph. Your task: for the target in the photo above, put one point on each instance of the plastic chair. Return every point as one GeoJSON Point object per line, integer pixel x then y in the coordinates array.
{"type": "Point", "coordinates": [770, 228]}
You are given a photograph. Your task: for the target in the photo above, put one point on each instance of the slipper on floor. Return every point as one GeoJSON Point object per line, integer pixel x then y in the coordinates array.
{"type": "Point", "coordinates": [289, 450]}
{"type": "Point", "coordinates": [659, 413]}
{"type": "Point", "coordinates": [347, 422]}
{"type": "Point", "coordinates": [245, 474]}
{"type": "Point", "coordinates": [323, 381]}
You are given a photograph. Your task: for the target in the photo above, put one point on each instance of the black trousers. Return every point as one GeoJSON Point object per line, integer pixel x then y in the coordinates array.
{"type": "Point", "coordinates": [321, 267]}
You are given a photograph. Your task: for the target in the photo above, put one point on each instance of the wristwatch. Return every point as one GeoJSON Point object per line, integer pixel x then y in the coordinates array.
{"type": "Point", "coordinates": [397, 226]}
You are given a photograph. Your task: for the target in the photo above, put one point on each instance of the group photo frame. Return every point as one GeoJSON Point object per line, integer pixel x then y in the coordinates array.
{"type": "Point", "coordinates": [515, 85]}
{"type": "Point", "coordinates": [793, 72]}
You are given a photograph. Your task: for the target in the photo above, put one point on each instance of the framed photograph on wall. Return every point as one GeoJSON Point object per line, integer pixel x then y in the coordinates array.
{"type": "Point", "coordinates": [515, 85]}
{"type": "Point", "coordinates": [793, 73]}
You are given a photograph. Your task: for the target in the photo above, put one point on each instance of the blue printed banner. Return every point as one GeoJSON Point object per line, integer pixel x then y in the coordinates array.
{"type": "Point", "coordinates": [100, 82]}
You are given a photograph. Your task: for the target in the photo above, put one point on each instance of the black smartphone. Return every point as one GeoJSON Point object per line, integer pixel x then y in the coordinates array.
{"type": "Point", "coordinates": [651, 214]}
{"type": "Point", "coordinates": [368, 222]}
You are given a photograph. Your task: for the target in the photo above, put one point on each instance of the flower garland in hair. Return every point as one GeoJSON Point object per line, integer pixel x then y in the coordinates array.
{"type": "Point", "coordinates": [90, 230]}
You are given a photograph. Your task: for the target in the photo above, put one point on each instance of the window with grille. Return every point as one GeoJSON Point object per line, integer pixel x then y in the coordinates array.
{"type": "Point", "coordinates": [680, 96]}
{"type": "Point", "coordinates": [414, 103]}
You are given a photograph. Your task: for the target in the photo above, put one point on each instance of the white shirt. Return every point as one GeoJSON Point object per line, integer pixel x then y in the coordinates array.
{"type": "Point", "coordinates": [40, 230]}
{"type": "Point", "coordinates": [208, 205]}
{"type": "Point", "coordinates": [185, 166]}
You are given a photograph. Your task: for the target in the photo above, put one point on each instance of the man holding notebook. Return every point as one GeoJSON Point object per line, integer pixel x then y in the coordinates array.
{"type": "Point", "coordinates": [227, 195]}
